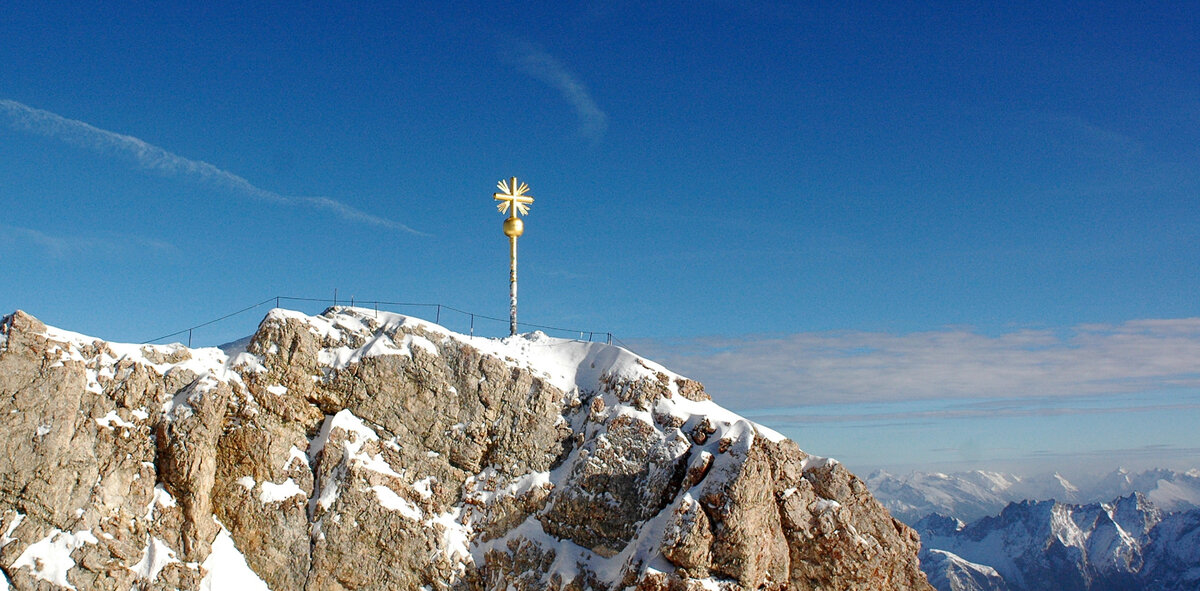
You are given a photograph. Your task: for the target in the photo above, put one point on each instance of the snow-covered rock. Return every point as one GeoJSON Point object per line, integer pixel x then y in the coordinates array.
{"type": "Point", "coordinates": [947, 570]}
{"type": "Point", "coordinates": [366, 450]}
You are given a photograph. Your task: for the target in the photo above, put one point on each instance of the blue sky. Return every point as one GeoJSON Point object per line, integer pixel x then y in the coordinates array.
{"type": "Point", "coordinates": [870, 225]}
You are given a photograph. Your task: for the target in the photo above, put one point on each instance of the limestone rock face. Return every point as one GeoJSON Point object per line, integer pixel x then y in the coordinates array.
{"type": "Point", "coordinates": [367, 450]}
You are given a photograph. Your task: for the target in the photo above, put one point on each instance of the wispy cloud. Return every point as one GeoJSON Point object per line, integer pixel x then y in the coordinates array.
{"type": "Point", "coordinates": [545, 67]}
{"type": "Point", "coordinates": [53, 246]}
{"type": "Point", "coordinates": [151, 157]}
{"type": "Point", "coordinates": [825, 368]}
{"type": "Point", "coordinates": [1084, 138]}
{"type": "Point", "coordinates": [1092, 160]}
{"type": "Point", "coordinates": [1155, 455]}
{"type": "Point", "coordinates": [60, 247]}
{"type": "Point", "coordinates": [934, 411]}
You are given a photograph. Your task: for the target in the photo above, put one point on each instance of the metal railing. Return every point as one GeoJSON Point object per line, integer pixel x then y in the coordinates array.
{"type": "Point", "coordinates": [437, 309]}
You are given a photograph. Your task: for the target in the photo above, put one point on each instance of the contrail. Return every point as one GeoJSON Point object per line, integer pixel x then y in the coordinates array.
{"type": "Point", "coordinates": [151, 157]}
{"type": "Point", "coordinates": [546, 68]}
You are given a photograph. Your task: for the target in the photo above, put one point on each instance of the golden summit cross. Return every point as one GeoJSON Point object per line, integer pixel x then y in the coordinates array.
{"type": "Point", "coordinates": [512, 197]}
{"type": "Point", "coordinates": [513, 194]}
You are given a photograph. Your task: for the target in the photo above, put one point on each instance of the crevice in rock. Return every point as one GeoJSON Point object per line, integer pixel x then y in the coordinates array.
{"type": "Point", "coordinates": [678, 474]}
{"type": "Point", "coordinates": [712, 524]}
{"type": "Point", "coordinates": [567, 446]}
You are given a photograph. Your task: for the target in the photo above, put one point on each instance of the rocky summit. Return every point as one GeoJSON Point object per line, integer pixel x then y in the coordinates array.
{"type": "Point", "coordinates": [365, 450]}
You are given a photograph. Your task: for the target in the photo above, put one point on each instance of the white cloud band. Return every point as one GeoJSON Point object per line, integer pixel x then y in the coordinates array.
{"type": "Point", "coordinates": [819, 368]}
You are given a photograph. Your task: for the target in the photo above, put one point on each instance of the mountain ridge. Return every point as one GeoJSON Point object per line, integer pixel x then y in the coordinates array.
{"type": "Point", "coordinates": [365, 450]}
{"type": "Point", "coordinates": [976, 494]}
{"type": "Point", "coordinates": [1128, 543]}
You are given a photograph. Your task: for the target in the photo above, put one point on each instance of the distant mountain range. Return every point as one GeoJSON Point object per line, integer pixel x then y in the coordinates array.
{"type": "Point", "coordinates": [1046, 533]}
{"type": "Point", "coordinates": [1051, 546]}
{"type": "Point", "coordinates": [969, 496]}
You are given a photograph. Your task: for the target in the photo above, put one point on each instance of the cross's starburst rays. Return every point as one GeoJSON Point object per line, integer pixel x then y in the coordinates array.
{"type": "Point", "coordinates": [512, 194]}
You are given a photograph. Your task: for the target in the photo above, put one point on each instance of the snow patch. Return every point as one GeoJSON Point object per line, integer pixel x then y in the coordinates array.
{"type": "Point", "coordinates": [161, 498]}
{"type": "Point", "coordinates": [816, 463]}
{"type": "Point", "coordinates": [375, 463]}
{"type": "Point", "coordinates": [394, 502]}
{"type": "Point", "coordinates": [7, 538]}
{"type": "Point", "coordinates": [274, 493]}
{"type": "Point", "coordinates": [49, 559]}
{"type": "Point", "coordinates": [227, 568]}
{"type": "Point", "coordinates": [317, 445]}
{"type": "Point", "coordinates": [113, 418]}
{"type": "Point", "coordinates": [421, 343]}
{"type": "Point", "coordinates": [423, 487]}
{"type": "Point", "coordinates": [456, 537]}
{"type": "Point", "coordinates": [295, 455]}
{"type": "Point", "coordinates": [251, 362]}
{"type": "Point", "coordinates": [770, 434]}
{"type": "Point", "coordinates": [155, 558]}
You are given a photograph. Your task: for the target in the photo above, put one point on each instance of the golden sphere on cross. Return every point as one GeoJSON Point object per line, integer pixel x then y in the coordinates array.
{"type": "Point", "coordinates": [514, 227]}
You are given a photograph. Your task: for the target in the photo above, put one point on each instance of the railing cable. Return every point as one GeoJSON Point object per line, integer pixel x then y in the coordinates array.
{"type": "Point", "coordinates": [376, 303]}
